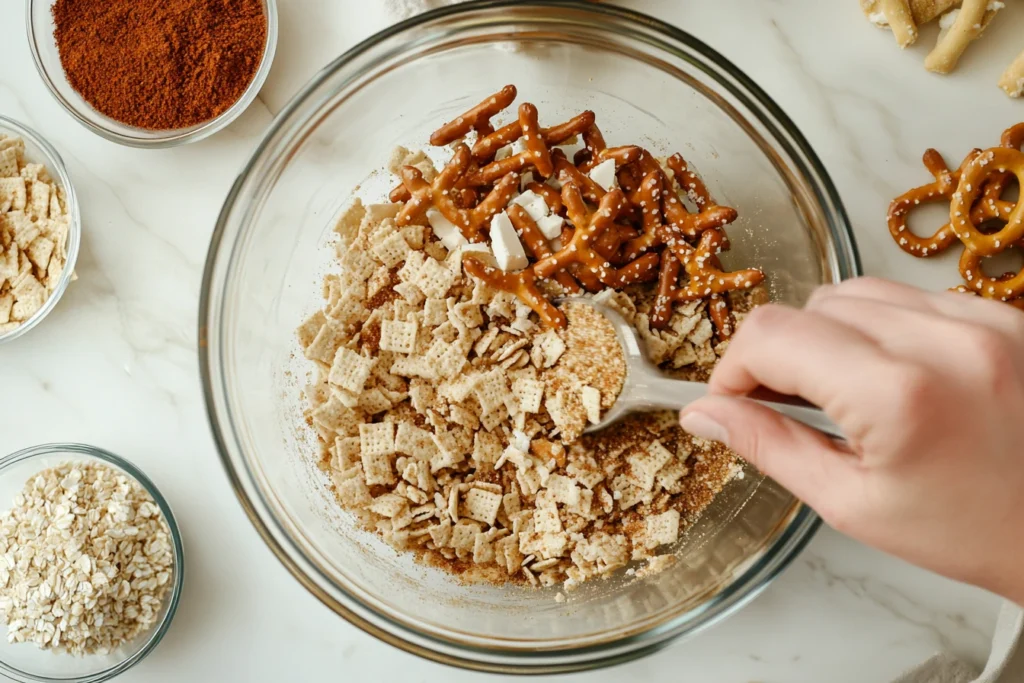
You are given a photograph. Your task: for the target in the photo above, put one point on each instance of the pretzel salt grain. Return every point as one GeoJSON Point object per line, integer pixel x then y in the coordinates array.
{"type": "Point", "coordinates": [971, 20]}
{"type": "Point", "coordinates": [537, 244]}
{"type": "Point", "coordinates": [478, 118]}
{"type": "Point", "coordinates": [522, 284]}
{"type": "Point", "coordinates": [705, 274]}
{"type": "Point", "coordinates": [941, 189]}
{"type": "Point", "coordinates": [900, 19]}
{"type": "Point", "coordinates": [988, 164]}
{"type": "Point", "coordinates": [442, 193]}
{"type": "Point", "coordinates": [487, 146]}
{"type": "Point", "coordinates": [1012, 80]}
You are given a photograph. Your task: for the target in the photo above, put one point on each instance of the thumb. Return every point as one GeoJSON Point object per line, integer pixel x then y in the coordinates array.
{"type": "Point", "coordinates": [803, 460]}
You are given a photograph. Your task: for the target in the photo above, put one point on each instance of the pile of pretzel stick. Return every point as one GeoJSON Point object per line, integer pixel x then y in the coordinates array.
{"type": "Point", "coordinates": [647, 222]}
{"type": "Point", "coordinates": [980, 218]}
{"type": "Point", "coordinates": [961, 23]}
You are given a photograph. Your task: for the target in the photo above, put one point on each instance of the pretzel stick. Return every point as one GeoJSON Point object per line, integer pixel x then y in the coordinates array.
{"type": "Point", "coordinates": [1013, 137]}
{"type": "Point", "coordinates": [569, 174]}
{"type": "Point", "coordinates": [522, 284]}
{"type": "Point", "coordinates": [594, 144]}
{"type": "Point", "coordinates": [900, 19]}
{"type": "Point", "coordinates": [537, 244]}
{"type": "Point", "coordinates": [469, 221]}
{"type": "Point", "coordinates": [668, 283]}
{"type": "Point", "coordinates": [536, 148]}
{"type": "Point", "coordinates": [705, 278]}
{"type": "Point", "coordinates": [486, 147]}
{"type": "Point", "coordinates": [1012, 80]}
{"type": "Point", "coordinates": [587, 229]}
{"type": "Point", "coordinates": [400, 194]}
{"type": "Point", "coordinates": [551, 196]}
{"type": "Point", "coordinates": [643, 269]}
{"type": "Point", "coordinates": [681, 221]}
{"type": "Point", "coordinates": [988, 164]}
{"type": "Point", "coordinates": [627, 154]}
{"type": "Point", "coordinates": [969, 24]}
{"type": "Point", "coordinates": [691, 184]}
{"type": "Point", "coordinates": [477, 118]}
{"type": "Point", "coordinates": [721, 316]}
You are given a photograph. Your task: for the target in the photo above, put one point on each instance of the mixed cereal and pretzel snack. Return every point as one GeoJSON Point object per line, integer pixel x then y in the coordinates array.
{"type": "Point", "coordinates": [452, 391]}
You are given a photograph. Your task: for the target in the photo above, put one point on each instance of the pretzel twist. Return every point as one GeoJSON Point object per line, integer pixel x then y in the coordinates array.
{"type": "Point", "coordinates": [961, 289]}
{"type": "Point", "coordinates": [721, 316]}
{"type": "Point", "coordinates": [983, 167]}
{"type": "Point", "coordinates": [1013, 137]}
{"type": "Point", "coordinates": [941, 189]}
{"type": "Point", "coordinates": [477, 118]}
{"type": "Point", "coordinates": [522, 284]}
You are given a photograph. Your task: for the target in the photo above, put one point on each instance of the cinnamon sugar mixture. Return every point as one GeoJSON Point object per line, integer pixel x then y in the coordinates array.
{"type": "Point", "coordinates": [451, 415]}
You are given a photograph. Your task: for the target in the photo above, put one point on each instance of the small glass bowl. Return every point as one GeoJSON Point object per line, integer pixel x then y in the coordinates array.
{"type": "Point", "coordinates": [38, 150]}
{"type": "Point", "coordinates": [26, 663]}
{"type": "Point", "coordinates": [47, 59]}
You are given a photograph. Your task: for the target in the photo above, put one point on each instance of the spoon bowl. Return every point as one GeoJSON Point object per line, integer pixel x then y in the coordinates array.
{"type": "Point", "coordinates": [647, 388]}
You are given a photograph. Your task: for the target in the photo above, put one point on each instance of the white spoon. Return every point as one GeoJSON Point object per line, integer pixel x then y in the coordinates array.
{"type": "Point", "coordinates": [647, 388]}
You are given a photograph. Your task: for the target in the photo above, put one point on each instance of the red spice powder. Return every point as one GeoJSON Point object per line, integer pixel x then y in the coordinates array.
{"type": "Point", "coordinates": [160, 64]}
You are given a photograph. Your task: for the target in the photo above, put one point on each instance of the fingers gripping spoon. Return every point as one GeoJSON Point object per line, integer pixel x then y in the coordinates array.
{"type": "Point", "coordinates": [647, 388]}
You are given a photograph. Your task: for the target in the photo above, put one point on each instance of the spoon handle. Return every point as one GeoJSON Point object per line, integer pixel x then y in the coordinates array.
{"type": "Point", "coordinates": [662, 392]}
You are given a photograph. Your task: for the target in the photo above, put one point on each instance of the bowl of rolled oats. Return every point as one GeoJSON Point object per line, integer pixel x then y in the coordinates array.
{"type": "Point", "coordinates": [399, 378]}
{"type": "Point", "coordinates": [40, 229]}
{"type": "Point", "coordinates": [90, 564]}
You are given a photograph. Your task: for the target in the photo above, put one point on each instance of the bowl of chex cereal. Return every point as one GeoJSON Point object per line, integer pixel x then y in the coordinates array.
{"type": "Point", "coordinates": [39, 229]}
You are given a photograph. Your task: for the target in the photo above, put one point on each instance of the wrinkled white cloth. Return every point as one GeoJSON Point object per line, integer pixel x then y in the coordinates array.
{"type": "Point", "coordinates": [1006, 661]}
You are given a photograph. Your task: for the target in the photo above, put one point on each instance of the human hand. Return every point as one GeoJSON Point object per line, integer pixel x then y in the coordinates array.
{"type": "Point", "coordinates": [928, 388]}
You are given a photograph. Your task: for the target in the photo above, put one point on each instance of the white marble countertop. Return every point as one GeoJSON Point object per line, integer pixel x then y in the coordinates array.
{"type": "Point", "coordinates": [115, 364]}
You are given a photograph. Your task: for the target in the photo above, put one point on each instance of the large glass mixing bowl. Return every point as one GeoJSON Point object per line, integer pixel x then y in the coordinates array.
{"type": "Point", "coordinates": [649, 83]}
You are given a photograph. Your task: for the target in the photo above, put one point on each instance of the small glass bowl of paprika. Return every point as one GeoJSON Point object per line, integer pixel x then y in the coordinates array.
{"type": "Point", "coordinates": [153, 73]}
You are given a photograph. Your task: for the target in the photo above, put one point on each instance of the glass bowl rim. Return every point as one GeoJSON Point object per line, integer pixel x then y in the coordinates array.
{"type": "Point", "coordinates": [166, 138]}
{"type": "Point", "coordinates": [55, 164]}
{"type": "Point", "coordinates": [801, 525]}
{"type": "Point", "coordinates": [160, 630]}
